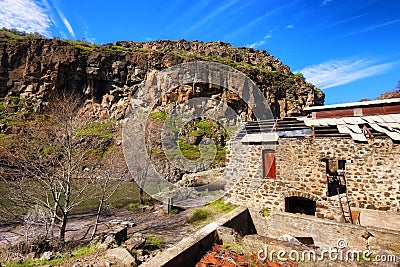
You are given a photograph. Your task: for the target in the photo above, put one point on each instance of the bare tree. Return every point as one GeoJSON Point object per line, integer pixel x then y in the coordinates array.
{"type": "Point", "coordinates": [113, 173]}
{"type": "Point", "coordinates": [54, 164]}
{"type": "Point", "coordinates": [139, 160]}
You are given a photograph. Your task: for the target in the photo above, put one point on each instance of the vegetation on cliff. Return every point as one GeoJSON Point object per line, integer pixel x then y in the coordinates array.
{"type": "Point", "coordinates": [391, 94]}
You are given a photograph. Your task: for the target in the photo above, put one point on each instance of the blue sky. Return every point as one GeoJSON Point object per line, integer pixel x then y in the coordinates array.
{"type": "Point", "coordinates": [350, 49]}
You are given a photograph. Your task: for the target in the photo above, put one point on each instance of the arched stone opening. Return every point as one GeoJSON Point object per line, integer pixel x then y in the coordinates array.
{"type": "Point", "coordinates": [302, 205]}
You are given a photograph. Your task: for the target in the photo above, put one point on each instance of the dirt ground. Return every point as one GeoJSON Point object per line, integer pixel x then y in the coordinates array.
{"type": "Point", "coordinates": [172, 227]}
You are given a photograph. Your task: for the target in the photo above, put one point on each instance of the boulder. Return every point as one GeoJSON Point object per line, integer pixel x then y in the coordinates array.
{"type": "Point", "coordinates": [120, 257]}
{"type": "Point", "coordinates": [136, 241]}
{"type": "Point", "coordinates": [119, 233]}
{"type": "Point", "coordinates": [109, 241]}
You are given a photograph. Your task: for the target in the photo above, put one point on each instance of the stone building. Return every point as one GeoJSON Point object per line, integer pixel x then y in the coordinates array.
{"type": "Point", "coordinates": [340, 162]}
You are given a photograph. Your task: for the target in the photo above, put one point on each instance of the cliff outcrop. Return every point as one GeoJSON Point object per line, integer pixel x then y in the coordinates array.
{"type": "Point", "coordinates": [107, 75]}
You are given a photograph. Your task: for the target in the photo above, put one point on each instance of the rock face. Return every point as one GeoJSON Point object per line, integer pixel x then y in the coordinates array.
{"type": "Point", "coordinates": [389, 95]}
{"type": "Point", "coordinates": [107, 75]}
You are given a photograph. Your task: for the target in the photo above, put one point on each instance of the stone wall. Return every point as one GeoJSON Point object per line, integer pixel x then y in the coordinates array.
{"type": "Point", "coordinates": [325, 233]}
{"type": "Point", "coordinates": [373, 175]}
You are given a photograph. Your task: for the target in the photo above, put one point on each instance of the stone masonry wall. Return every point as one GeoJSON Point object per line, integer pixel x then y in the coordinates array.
{"type": "Point", "coordinates": [373, 176]}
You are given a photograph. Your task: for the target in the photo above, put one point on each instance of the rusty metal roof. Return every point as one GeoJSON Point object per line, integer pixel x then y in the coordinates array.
{"type": "Point", "coordinates": [388, 124]}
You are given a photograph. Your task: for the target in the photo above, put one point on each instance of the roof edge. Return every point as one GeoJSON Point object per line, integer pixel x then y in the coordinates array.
{"type": "Point", "coordinates": [354, 104]}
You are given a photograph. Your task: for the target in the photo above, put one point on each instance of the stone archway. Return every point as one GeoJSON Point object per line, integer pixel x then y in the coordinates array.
{"type": "Point", "coordinates": [300, 205]}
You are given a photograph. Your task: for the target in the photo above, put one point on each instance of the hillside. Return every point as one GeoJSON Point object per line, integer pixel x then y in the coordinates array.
{"type": "Point", "coordinates": [107, 75]}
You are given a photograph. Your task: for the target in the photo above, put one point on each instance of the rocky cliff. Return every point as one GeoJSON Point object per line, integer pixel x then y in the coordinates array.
{"type": "Point", "coordinates": [107, 75]}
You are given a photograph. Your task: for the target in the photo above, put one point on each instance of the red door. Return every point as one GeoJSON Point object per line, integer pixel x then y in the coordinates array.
{"type": "Point", "coordinates": [269, 163]}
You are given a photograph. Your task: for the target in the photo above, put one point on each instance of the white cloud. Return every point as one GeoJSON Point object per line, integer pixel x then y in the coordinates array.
{"type": "Point", "coordinates": [262, 42]}
{"type": "Point", "coordinates": [24, 15]}
{"type": "Point", "coordinates": [289, 26]}
{"type": "Point", "coordinates": [338, 72]}
{"type": "Point", "coordinates": [87, 35]}
{"type": "Point", "coordinates": [257, 20]}
{"type": "Point", "coordinates": [256, 44]}
{"type": "Point", "coordinates": [377, 26]}
{"type": "Point", "coordinates": [213, 14]}
{"type": "Point", "coordinates": [63, 35]}
{"type": "Point", "coordinates": [66, 22]}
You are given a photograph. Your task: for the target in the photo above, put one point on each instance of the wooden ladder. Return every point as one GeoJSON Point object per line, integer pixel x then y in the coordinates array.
{"type": "Point", "coordinates": [345, 207]}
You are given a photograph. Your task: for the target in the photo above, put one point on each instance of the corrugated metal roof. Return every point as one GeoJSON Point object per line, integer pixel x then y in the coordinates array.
{"type": "Point", "coordinates": [353, 120]}
{"type": "Point", "coordinates": [388, 124]}
{"type": "Point", "coordinates": [358, 127]}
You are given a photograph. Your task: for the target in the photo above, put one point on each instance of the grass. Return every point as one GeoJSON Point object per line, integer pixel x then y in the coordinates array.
{"type": "Point", "coordinates": [85, 47]}
{"type": "Point", "coordinates": [220, 206]}
{"type": "Point", "coordinates": [153, 242]}
{"type": "Point", "coordinates": [291, 100]}
{"type": "Point", "coordinates": [34, 262]}
{"type": "Point", "coordinates": [210, 211]}
{"type": "Point", "coordinates": [15, 34]}
{"type": "Point", "coordinates": [83, 250]}
{"type": "Point", "coordinates": [158, 116]}
{"type": "Point", "coordinates": [233, 248]}
{"type": "Point", "coordinates": [76, 254]}
{"type": "Point", "coordinates": [120, 49]}
{"type": "Point", "coordinates": [300, 75]}
{"type": "Point", "coordinates": [16, 112]}
{"type": "Point", "coordinates": [199, 215]}
{"type": "Point", "coordinates": [104, 130]}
